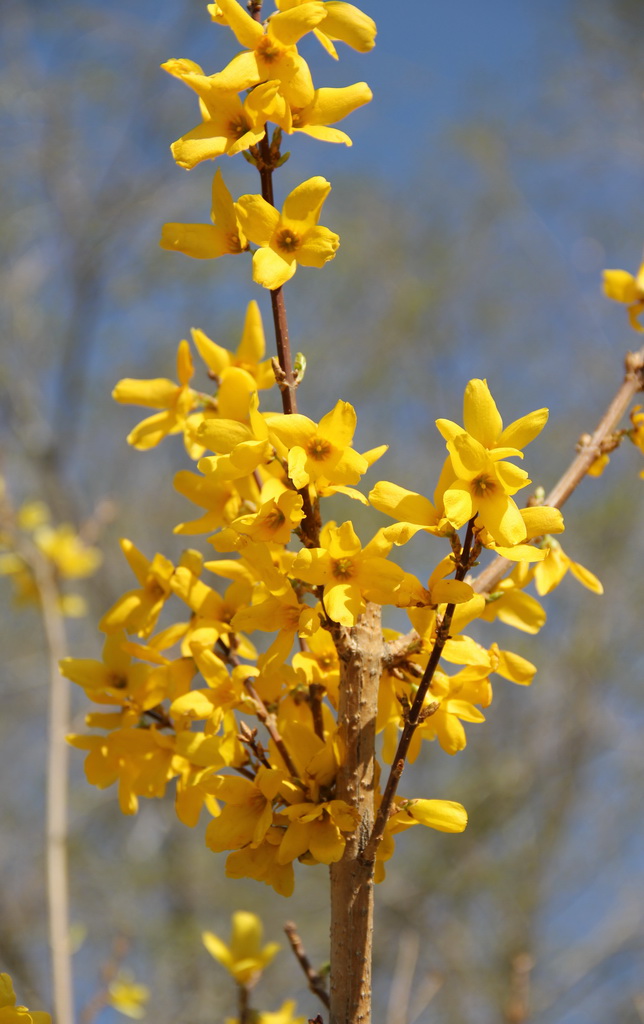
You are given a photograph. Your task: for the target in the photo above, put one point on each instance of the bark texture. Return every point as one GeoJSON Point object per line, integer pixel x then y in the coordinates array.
{"type": "Point", "coordinates": [361, 650]}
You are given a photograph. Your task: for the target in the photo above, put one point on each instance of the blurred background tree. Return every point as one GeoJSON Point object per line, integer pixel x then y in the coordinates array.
{"type": "Point", "coordinates": [498, 170]}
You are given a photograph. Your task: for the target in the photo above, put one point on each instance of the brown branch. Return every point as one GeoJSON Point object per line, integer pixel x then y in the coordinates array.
{"type": "Point", "coordinates": [418, 712]}
{"type": "Point", "coordinates": [267, 157]}
{"type": "Point", "coordinates": [315, 980]}
{"type": "Point", "coordinates": [245, 1012]}
{"type": "Point", "coordinates": [589, 450]}
{"type": "Point", "coordinates": [397, 651]}
{"type": "Point", "coordinates": [269, 722]}
{"type": "Point", "coordinates": [360, 650]}
{"type": "Point", "coordinates": [315, 703]}
{"type": "Point", "coordinates": [267, 719]}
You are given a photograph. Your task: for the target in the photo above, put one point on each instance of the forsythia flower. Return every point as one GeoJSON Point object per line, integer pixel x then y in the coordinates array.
{"type": "Point", "coordinates": [549, 573]}
{"type": "Point", "coordinates": [243, 958]}
{"type": "Point", "coordinates": [127, 996]}
{"type": "Point", "coordinates": [343, 22]}
{"type": "Point", "coordinates": [621, 286]}
{"type": "Point", "coordinates": [248, 357]}
{"type": "Point", "coordinates": [177, 401]}
{"type": "Point", "coordinates": [290, 237]}
{"type": "Point", "coordinates": [321, 453]}
{"type": "Point", "coordinates": [349, 573]}
{"type": "Point", "coordinates": [226, 127]}
{"type": "Point", "coordinates": [203, 242]}
{"type": "Point", "coordinates": [138, 610]}
{"type": "Point", "coordinates": [282, 1016]}
{"type": "Point", "coordinates": [272, 54]}
{"type": "Point", "coordinates": [484, 482]}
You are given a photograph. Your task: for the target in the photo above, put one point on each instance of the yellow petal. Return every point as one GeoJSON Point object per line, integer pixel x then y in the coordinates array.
{"type": "Point", "coordinates": [481, 417]}
{"type": "Point", "coordinates": [350, 25]}
{"type": "Point", "coordinates": [303, 205]}
{"type": "Point", "coordinates": [270, 270]}
{"type": "Point", "coordinates": [443, 815]}
{"type": "Point", "coordinates": [524, 430]}
{"type": "Point", "coordinates": [620, 286]}
{"type": "Point", "coordinates": [318, 247]}
{"type": "Point", "coordinates": [258, 219]}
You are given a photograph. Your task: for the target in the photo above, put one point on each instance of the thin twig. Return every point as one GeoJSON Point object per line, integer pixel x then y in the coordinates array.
{"type": "Point", "coordinates": [589, 451]}
{"type": "Point", "coordinates": [315, 980]}
{"type": "Point", "coordinates": [288, 386]}
{"type": "Point", "coordinates": [315, 703]}
{"type": "Point", "coordinates": [269, 722]}
{"type": "Point", "coordinates": [417, 712]}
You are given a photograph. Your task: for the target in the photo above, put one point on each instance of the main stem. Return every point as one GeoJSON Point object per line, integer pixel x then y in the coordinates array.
{"type": "Point", "coordinates": [360, 650]}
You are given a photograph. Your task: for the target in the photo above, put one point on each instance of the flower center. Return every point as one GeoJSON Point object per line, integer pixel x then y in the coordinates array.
{"type": "Point", "coordinates": [267, 50]}
{"type": "Point", "coordinates": [288, 240]}
{"type": "Point", "coordinates": [318, 449]}
{"type": "Point", "coordinates": [155, 590]}
{"type": "Point", "coordinates": [274, 519]}
{"type": "Point", "coordinates": [343, 568]}
{"type": "Point", "coordinates": [483, 485]}
{"type": "Point", "coordinates": [237, 126]}
{"type": "Point", "coordinates": [234, 243]}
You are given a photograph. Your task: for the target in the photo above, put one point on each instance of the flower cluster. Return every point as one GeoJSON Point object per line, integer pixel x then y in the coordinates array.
{"type": "Point", "coordinates": [268, 82]}
{"type": "Point", "coordinates": [224, 673]}
{"type": "Point", "coordinates": [30, 545]}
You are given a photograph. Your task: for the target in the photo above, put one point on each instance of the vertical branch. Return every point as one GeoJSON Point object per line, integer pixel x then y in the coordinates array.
{"type": "Point", "coordinates": [360, 651]}
{"type": "Point", "coordinates": [57, 792]}
{"type": "Point", "coordinates": [266, 162]}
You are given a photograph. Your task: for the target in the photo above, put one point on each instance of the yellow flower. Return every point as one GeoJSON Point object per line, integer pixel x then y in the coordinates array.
{"type": "Point", "coordinates": [248, 356]}
{"type": "Point", "coordinates": [274, 520]}
{"type": "Point", "coordinates": [343, 22]}
{"type": "Point", "coordinates": [318, 829]}
{"type": "Point", "coordinates": [225, 128]}
{"type": "Point", "coordinates": [12, 1014]}
{"type": "Point", "coordinates": [140, 760]}
{"type": "Point", "coordinates": [290, 237]}
{"type": "Point", "coordinates": [350, 574]}
{"type": "Point", "coordinates": [115, 680]}
{"type": "Point", "coordinates": [282, 1016]}
{"type": "Point", "coordinates": [203, 241]}
{"type": "Point", "coordinates": [442, 815]}
{"type": "Point", "coordinates": [621, 286]}
{"type": "Point", "coordinates": [281, 612]}
{"type": "Point", "coordinates": [484, 482]}
{"type": "Point", "coordinates": [271, 51]}
{"type": "Point", "coordinates": [137, 611]}
{"type": "Point", "coordinates": [260, 862]}
{"type": "Point", "coordinates": [512, 606]}
{"type": "Point", "coordinates": [326, 108]}
{"type": "Point", "coordinates": [636, 433]}
{"type": "Point", "coordinates": [248, 813]}
{"type": "Point", "coordinates": [128, 997]}
{"type": "Point", "coordinates": [243, 958]}
{"type": "Point", "coordinates": [549, 573]}
{"type": "Point", "coordinates": [177, 401]}
{"type": "Point", "coordinates": [321, 453]}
